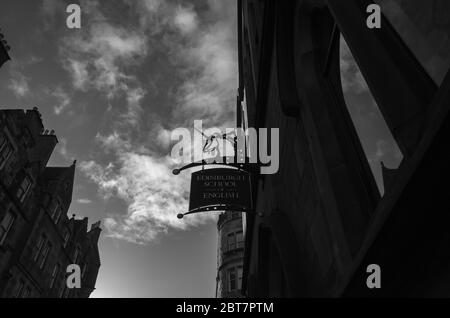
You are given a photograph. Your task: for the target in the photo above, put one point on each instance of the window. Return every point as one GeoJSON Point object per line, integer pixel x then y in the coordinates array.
{"type": "Point", "coordinates": [66, 237]}
{"type": "Point", "coordinates": [85, 268]}
{"type": "Point", "coordinates": [232, 280]}
{"type": "Point", "coordinates": [27, 138]}
{"type": "Point", "coordinates": [235, 215]}
{"type": "Point", "coordinates": [27, 292]}
{"type": "Point", "coordinates": [39, 246]}
{"type": "Point", "coordinates": [57, 215]}
{"type": "Point", "coordinates": [239, 240]}
{"type": "Point", "coordinates": [231, 241]}
{"type": "Point", "coordinates": [55, 211]}
{"type": "Point", "coordinates": [44, 255]}
{"type": "Point", "coordinates": [239, 276]}
{"type": "Point", "coordinates": [376, 139]}
{"type": "Point", "coordinates": [235, 240]}
{"type": "Point", "coordinates": [22, 291]}
{"type": "Point", "coordinates": [43, 248]}
{"type": "Point", "coordinates": [24, 188]}
{"type": "Point", "coordinates": [6, 226]}
{"type": "Point", "coordinates": [76, 255]}
{"type": "Point", "coordinates": [66, 293]}
{"type": "Point", "coordinates": [62, 289]}
{"type": "Point", "coordinates": [19, 289]}
{"type": "Point", "coordinates": [55, 273]}
{"type": "Point", "coordinates": [6, 150]}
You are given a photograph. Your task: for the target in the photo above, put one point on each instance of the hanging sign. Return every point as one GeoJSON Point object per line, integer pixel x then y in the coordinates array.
{"type": "Point", "coordinates": [220, 187]}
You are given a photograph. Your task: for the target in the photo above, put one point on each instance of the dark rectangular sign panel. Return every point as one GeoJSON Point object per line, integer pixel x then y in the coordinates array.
{"type": "Point", "coordinates": [220, 187]}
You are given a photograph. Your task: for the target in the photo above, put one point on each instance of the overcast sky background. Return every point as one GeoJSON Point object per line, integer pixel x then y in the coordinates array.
{"type": "Point", "coordinates": [113, 91]}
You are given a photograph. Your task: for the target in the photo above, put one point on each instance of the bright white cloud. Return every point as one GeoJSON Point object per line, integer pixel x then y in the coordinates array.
{"type": "Point", "coordinates": [102, 58]}
{"type": "Point", "coordinates": [19, 85]}
{"type": "Point", "coordinates": [79, 73]}
{"type": "Point", "coordinates": [113, 142]}
{"type": "Point", "coordinates": [62, 100]}
{"type": "Point", "coordinates": [84, 201]}
{"type": "Point", "coordinates": [97, 57]}
{"type": "Point", "coordinates": [209, 89]}
{"type": "Point", "coordinates": [163, 137]}
{"type": "Point", "coordinates": [185, 20]}
{"type": "Point", "coordinates": [134, 110]}
{"type": "Point", "coordinates": [154, 197]}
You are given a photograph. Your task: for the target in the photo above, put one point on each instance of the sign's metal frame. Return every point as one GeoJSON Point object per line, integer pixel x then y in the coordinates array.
{"type": "Point", "coordinates": [229, 161]}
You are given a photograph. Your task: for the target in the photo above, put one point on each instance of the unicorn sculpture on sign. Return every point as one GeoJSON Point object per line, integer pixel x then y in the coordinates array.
{"type": "Point", "coordinates": [230, 146]}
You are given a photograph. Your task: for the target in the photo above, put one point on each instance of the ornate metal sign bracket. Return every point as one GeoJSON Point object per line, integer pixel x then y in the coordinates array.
{"type": "Point", "coordinates": [217, 208]}
{"type": "Point", "coordinates": [245, 166]}
{"type": "Point", "coordinates": [225, 161]}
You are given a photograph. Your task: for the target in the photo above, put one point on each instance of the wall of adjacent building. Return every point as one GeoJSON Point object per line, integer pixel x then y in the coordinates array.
{"type": "Point", "coordinates": [229, 259]}
{"type": "Point", "coordinates": [33, 215]}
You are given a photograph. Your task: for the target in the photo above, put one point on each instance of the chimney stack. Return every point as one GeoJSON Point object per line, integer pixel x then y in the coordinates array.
{"type": "Point", "coordinates": [95, 231]}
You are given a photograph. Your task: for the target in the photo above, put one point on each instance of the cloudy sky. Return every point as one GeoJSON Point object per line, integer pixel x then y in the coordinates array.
{"type": "Point", "coordinates": [113, 90]}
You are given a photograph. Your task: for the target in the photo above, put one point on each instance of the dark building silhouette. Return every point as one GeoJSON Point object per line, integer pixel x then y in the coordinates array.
{"type": "Point", "coordinates": [324, 217]}
{"type": "Point", "coordinates": [37, 239]}
{"type": "Point", "coordinates": [230, 255]}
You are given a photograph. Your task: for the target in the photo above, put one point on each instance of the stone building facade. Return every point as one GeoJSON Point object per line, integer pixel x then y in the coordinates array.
{"type": "Point", "coordinates": [230, 255]}
{"type": "Point", "coordinates": [324, 220]}
{"type": "Point", "coordinates": [4, 49]}
{"type": "Point", "coordinates": [37, 239]}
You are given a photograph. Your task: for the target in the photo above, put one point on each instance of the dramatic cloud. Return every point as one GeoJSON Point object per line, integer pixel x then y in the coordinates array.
{"type": "Point", "coordinates": [97, 59]}
{"type": "Point", "coordinates": [163, 138]}
{"type": "Point", "coordinates": [134, 110]}
{"type": "Point", "coordinates": [113, 142]}
{"type": "Point", "coordinates": [102, 55]}
{"type": "Point", "coordinates": [210, 94]}
{"type": "Point", "coordinates": [210, 59]}
{"type": "Point", "coordinates": [191, 56]}
{"type": "Point", "coordinates": [80, 75]}
{"type": "Point", "coordinates": [154, 197]}
{"type": "Point", "coordinates": [185, 20]}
